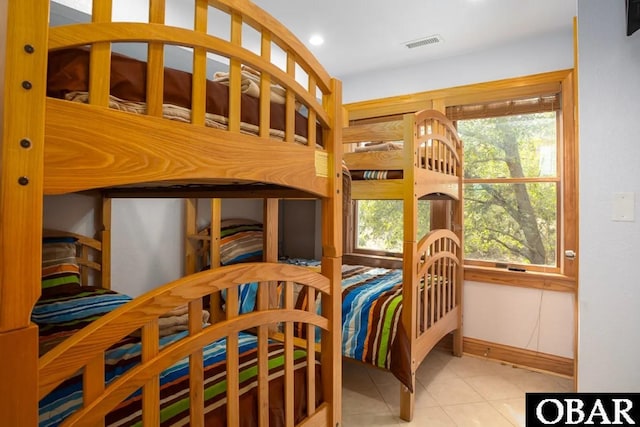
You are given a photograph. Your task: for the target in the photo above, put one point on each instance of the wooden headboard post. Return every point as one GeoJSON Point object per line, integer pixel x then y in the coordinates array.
{"type": "Point", "coordinates": [23, 59]}
{"type": "Point", "coordinates": [105, 238]}
{"type": "Point", "coordinates": [332, 210]}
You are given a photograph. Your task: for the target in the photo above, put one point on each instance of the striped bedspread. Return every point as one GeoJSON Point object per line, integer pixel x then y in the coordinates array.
{"type": "Point", "coordinates": [371, 307]}
{"type": "Point", "coordinates": [372, 330]}
{"type": "Point", "coordinates": [174, 387]}
{"type": "Point", "coordinates": [63, 310]}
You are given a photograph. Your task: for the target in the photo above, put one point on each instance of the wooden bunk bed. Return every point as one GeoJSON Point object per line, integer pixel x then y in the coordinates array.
{"type": "Point", "coordinates": [249, 147]}
{"type": "Point", "coordinates": [411, 157]}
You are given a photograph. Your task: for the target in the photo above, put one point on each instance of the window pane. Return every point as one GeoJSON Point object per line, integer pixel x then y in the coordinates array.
{"type": "Point", "coordinates": [380, 226]}
{"type": "Point", "coordinates": [518, 146]}
{"type": "Point", "coordinates": [511, 223]}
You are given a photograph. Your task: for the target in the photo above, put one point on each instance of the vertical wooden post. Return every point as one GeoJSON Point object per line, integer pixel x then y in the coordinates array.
{"type": "Point", "coordinates": [190, 232]}
{"type": "Point", "coordinates": [409, 267]}
{"type": "Point", "coordinates": [23, 60]}
{"type": "Point", "coordinates": [105, 260]}
{"type": "Point", "coordinates": [270, 247]}
{"type": "Point", "coordinates": [332, 258]}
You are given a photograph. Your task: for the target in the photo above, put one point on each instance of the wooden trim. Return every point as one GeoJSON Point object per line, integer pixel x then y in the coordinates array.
{"type": "Point", "coordinates": [500, 89]}
{"type": "Point", "coordinates": [576, 262]}
{"type": "Point", "coordinates": [524, 279]}
{"type": "Point", "coordinates": [519, 357]}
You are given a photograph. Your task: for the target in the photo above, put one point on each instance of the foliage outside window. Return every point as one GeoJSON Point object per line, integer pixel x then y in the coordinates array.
{"type": "Point", "coordinates": [379, 225]}
{"type": "Point", "coordinates": [512, 188]}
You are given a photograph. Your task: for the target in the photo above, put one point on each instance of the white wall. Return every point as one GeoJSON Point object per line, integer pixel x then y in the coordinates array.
{"type": "Point", "coordinates": [551, 52]}
{"type": "Point", "coordinates": [609, 91]}
{"type": "Point", "coordinates": [71, 212]}
{"type": "Point", "coordinates": [530, 319]}
{"type": "Point", "coordinates": [146, 234]}
{"type": "Point", "coordinates": [523, 318]}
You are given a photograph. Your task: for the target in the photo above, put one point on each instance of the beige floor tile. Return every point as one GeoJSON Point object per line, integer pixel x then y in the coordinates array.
{"type": "Point", "coordinates": [535, 382]}
{"type": "Point", "coordinates": [468, 366]}
{"type": "Point", "coordinates": [382, 378]}
{"type": "Point", "coordinates": [356, 375]}
{"type": "Point", "coordinates": [432, 370]}
{"type": "Point", "coordinates": [367, 420]}
{"type": "Point", "coordinates": [566, 384]}
{"type": "Point", "coordinates": [494, 387]}
{"type": "Point", "coordinates": [476, 414]}
{"type": "Point", "coordinates": [363, 401]}
{"type": "Point", "coordinates": [453, 392]}
{"type": "Point", "coordinates": [391, 395]}
{"type": "Point", "coordinates": [512, 409]}
{"type": "Point", "coordinates": [430, 417]}
{"type": "Point", "coordinates": [450, 391]}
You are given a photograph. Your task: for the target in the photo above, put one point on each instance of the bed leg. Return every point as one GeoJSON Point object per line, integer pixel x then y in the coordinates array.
{"type": "Point", "coordinates": [407, 400]}
{"type": "Point", "coordinates": [457, 342]}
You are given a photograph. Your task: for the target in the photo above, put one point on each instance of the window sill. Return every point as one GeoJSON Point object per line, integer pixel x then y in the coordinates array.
{"type": "Point", "coordinates": [523, 279]}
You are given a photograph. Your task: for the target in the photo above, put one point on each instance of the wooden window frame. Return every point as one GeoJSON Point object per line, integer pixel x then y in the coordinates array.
{"type": "Point", "coordinates": [563, 82]}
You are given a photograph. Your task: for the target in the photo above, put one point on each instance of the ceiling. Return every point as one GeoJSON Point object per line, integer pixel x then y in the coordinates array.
{"type": "Point", "coordinates": [361, 35]}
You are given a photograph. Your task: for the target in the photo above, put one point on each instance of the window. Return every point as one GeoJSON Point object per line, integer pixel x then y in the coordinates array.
{"type": "Point", "coordinates": [540, 236]}
{"type": "Point", "coordinates": [512, 182]}
{"type": "Point", "coordinates": [385, 237]}
{"type": "Point", "coordinates": [511, 188]}
{"type": "Point", "coordinates": [376, 236]}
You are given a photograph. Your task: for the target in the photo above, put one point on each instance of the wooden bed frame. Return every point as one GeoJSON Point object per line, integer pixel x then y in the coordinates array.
{"type": "Point", "coordinates": [53, 146]}
{"type": "Point", "coordinates": [430, 160]}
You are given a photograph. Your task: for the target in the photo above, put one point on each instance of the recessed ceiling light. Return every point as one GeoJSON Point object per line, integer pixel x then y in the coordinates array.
{"type": "Point", "coordinates": [316, 40]}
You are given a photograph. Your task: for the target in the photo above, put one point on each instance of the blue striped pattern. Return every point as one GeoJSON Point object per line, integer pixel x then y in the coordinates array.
{"type": "Point", "coordinates": [86, 303]}
{"type": "Point", "coordinates": [357, 303]}
{"type": "Point", "coordinates": [67, 398]}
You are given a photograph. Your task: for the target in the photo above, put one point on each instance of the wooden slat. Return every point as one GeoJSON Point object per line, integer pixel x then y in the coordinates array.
{"type": "Point", "coordinates": [311, 119]}
{"type": "Point", "coordinates": [259, 19]}
{"type": "Point", "coordinates": [288, 360]}
{"type": "Point", "coordinates": [271, 224]}
{"type": "Point", "coordinates": [155, 63]}
{"type": "Point", "coordinates": [290, 112]}
{"type": "Point", "coordinates": [265, 86]}
{"type": "Point", "coordinates": [196, 367]}
{"type": "Point", "coordinates": [384, 131]}
{"type": "Point", "coordinates": [311, 355]}
{"type": "Point", "coordinates": [93, 381]}
{"type": "Point", "coordinates": [85, 34]}
{"type": "Point", "coordinates": [263, 360]}
{"type": "Point", "coordinates": [234, 75]}
{"type": "Point", "coordinates": [233, 364]}
{"type": "Point", "coordinates": [190, 229]}
{"type": "Point", "coordinates": [105, 238]}
{"type": "Point", "coordinates": [100, 62]}
{"type": "Point", "coordinates": [215, 301]}
{"type": "Point", "coordinates": [151, 390]}
{"type": "Point", "coordinates": [199, 86]}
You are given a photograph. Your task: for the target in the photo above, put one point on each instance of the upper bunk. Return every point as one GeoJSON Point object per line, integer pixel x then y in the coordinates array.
{"type": "Point", "coordinates": [417, 154]}
{"type": "Point", "coordinates": [152, 109]}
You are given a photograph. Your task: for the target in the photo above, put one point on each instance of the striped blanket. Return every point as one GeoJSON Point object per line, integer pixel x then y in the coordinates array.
{"type": "Point", "coordinates": [174, 382]}
{"type": "Point", "coordinates": [372, 330]}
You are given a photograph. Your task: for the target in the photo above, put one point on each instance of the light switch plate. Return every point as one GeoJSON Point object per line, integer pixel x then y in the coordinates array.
{"type": "Point", "coordinates": [623, 207]}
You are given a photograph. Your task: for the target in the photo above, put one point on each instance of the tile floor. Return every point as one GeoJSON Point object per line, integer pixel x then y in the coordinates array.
{"type": "Point", "coordinates": [451, 391]}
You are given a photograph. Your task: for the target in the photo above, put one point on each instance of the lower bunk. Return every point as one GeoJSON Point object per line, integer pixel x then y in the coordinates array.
{"type": "Point", "coordinates": [393, 321]}
{"type": "Point", "coordinates": [109, 359]}
{"type": "Point", "coordinates": [392, 315]}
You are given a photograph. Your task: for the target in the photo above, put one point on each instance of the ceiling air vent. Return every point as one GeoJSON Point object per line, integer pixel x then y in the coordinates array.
{"type": "Point", "coordinates": [434, 39]}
